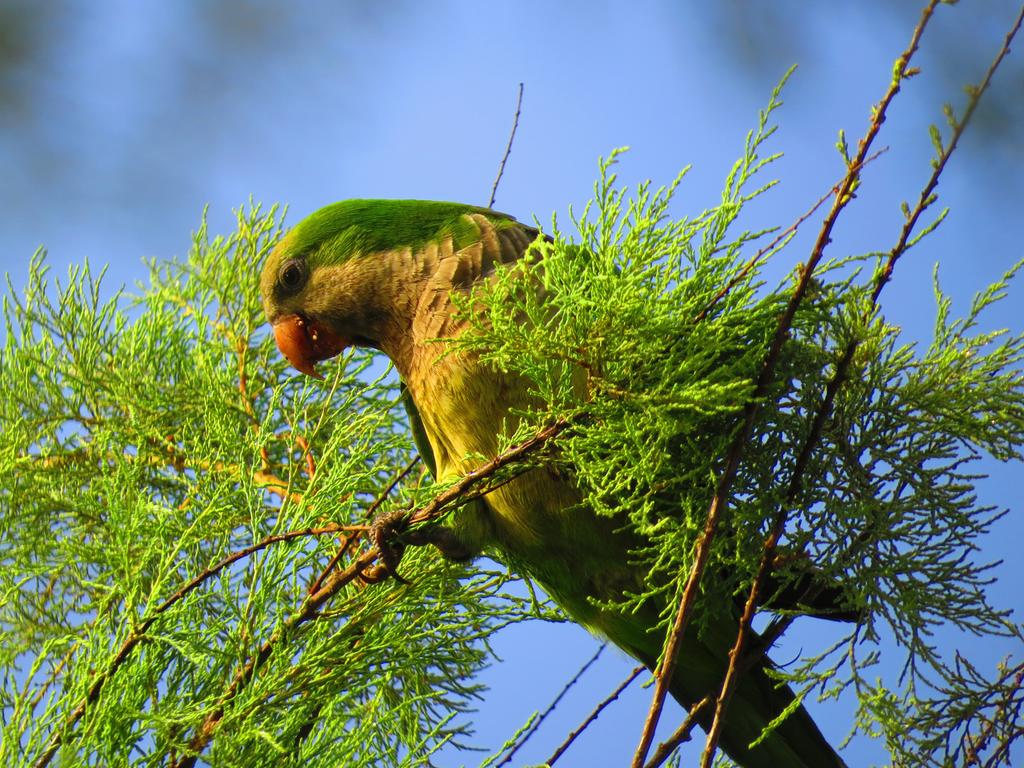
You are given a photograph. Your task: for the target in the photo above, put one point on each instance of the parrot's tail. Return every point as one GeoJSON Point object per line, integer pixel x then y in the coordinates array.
{"type": "Point", "coordinates": [756, 701]}
{"type": "Point", "coordinates": [701, 663]}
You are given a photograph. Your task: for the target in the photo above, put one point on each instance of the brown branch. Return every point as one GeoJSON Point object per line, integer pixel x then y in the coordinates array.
{"type": "Point", "coordinates": [926, 197]}
{"type": "Point", "coordinates": [768, 555]}
{"type": "Point", "coordinates": [508, 148]}
{"type": "Point", "coordinates": [681, 734]}
{"type": "Point", "coordinates": [551, 707]}
{"type": "Point", "coordinates": [477, 493]}
{"type": "Point", "coordinates": [275, 485]}
{"type": "Point", "coordinates": [306, 729]}
{"type": "Point", "coordinates": [438, 504]}
{"type": "Point", "coordinates": [842, 197]}
{"type": "Point", "coordinates": [234, 557]}
{"type": "Point", "coordinates": [594, 715]}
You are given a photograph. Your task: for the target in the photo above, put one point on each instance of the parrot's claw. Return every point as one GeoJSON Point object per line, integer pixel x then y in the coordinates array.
{"type": "Point", "coordinates": [389, 533]}
{"type": "Point", "coordinates": [384, 532]}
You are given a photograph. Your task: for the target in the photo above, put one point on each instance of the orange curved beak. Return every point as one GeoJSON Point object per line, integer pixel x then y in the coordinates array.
{"type": "Point", "coordinates": [305, 344]}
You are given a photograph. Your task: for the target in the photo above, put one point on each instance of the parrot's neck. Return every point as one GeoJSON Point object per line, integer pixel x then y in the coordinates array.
{"type": "Point", "coordinates": [413, 290]}
{"type": "Point", "coordinates": [404, 302]}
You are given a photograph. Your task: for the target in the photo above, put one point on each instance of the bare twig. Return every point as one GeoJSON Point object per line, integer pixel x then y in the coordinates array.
{"type": "Point", "coordinates": [926, 197]}
{"type": "Point", "coordinates": [440, 502]}
{"type": "Point", "coordinates": [1007, 713]}
{"type": "Point", "coordinates": [508, 148]}
{"type": "Point", "coordinates": [842, 197]}
{"type": "Point", "coordinates": [594, 715]}
{"type": "Point", "coordinates": [681, 734]}
{"type": "Point", "coordinates": [551, 707]}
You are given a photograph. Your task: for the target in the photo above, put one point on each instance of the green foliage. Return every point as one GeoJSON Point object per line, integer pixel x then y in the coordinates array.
{"type": "Point", "coordinates": [147, 437]}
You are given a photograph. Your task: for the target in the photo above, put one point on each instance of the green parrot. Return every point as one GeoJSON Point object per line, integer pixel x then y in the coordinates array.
{"type": "Point", "coordinates": [381, 274]}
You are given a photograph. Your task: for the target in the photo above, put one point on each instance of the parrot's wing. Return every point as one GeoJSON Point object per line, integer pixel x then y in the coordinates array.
{"type": "Point", "coordinates": [461, 538]}
{"type": "Point", "coordinates": [419, 434]}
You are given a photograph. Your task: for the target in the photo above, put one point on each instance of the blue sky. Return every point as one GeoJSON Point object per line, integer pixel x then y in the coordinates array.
{"type": "Point", "coordinates": [120, 120]}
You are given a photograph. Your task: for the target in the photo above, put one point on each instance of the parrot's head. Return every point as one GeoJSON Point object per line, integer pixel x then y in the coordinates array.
{"type": "Point", "coordinates": [331, 282]}
{"type": "Point", "coordinates": [304, 294]}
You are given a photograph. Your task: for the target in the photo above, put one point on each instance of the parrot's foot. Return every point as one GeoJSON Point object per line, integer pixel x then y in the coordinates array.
{"type": "Point", "coordinates": [389, 533]}
{"type": "Point", "coordinates": [384, 533]}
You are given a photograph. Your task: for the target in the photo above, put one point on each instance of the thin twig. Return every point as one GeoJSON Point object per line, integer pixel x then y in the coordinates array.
{"type": "Point", "coordinates": [508, 148]}
{"type": "Point", "coordinates": [594, 715]}
{"type": "Point", "coordinates": [234, 557]}
{"type": "Point", "coordinates": [1007, 710]}
{"type": "Point", "coordinates": [841, 198]}
{"type": "Point", "coordinates": [318, 582]}
{"type": "Point", "coordinates": [438, 504]}
{"type": "Point", "coordinates": [551, 707]}
{"type": "Point", "coordinates": [926, 198]}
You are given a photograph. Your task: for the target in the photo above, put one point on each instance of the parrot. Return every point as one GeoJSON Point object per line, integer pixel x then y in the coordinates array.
{"type": "Point", "coordinates": [383, 274]}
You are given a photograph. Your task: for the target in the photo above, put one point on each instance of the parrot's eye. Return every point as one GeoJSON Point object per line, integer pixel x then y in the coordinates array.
{"type": "Point", "coordinates": [292, 275]}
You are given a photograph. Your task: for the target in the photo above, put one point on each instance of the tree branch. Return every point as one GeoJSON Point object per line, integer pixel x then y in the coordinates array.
{"type": "Point", "coordinates": [310, 609]}
{"type": "Point", "coordinates": [719, 502]}
{"type": "Point", "coordinates": [840, 376]}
